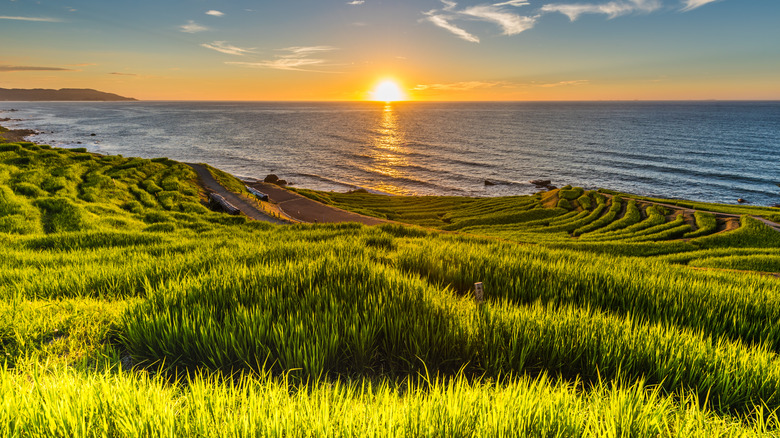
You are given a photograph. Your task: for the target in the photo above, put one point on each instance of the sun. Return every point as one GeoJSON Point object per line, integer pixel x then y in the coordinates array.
{"type": "Point", "coordinates": [387, 91]}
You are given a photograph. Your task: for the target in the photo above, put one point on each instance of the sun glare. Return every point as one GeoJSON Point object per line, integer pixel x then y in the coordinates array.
{"type": "Point", "coordinates": [387, 91]}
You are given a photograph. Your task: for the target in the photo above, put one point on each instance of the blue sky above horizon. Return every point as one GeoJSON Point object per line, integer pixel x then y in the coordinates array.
{"type": "Point", "coordinates": [434, 49]}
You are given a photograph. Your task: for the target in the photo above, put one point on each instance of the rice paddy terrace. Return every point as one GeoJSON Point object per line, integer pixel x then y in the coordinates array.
{"type": "Point", "coordinates": [129, 308]}
{"type": "Point", "coordinates": [710, 235]}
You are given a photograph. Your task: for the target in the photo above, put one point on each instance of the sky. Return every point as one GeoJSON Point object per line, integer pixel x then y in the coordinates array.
{"type": "Point", "coordinates": [434, 50]}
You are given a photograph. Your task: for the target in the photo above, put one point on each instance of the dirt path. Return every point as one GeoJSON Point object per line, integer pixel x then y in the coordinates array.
{"type": "Point", "coordinates": [246, 207]}
{"type": "Point", "coordinates": [308, 210]}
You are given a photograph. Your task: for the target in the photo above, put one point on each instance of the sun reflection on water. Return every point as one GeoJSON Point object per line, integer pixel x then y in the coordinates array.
{"type": "Point", "coordinates": [388, 153]}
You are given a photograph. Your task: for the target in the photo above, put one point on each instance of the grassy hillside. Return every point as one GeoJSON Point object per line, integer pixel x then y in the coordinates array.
{"type": "Point", "coordinates": [602, 222]}
{"type": "Point", "coordinates": [129, 309]}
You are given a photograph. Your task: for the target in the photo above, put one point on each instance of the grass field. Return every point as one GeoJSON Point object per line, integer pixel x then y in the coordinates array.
{"type": "Point", "coordinates": [129, 309]}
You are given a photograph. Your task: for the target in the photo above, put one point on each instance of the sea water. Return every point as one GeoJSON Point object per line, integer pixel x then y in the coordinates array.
{"type": "Point", "coordinates": [704, 151]}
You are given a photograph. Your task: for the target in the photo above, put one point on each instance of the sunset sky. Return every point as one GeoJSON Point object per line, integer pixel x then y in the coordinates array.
{"type": "Point", "coordinates": [433, 49]}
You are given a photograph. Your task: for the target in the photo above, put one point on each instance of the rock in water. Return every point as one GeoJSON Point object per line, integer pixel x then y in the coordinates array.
{"type": "Point", "coordinates": [741, 201]}
{"type": "Point", "coordinates": [271, 179]}
{"type": "Point", "coordinates": [281, 182]}
{"type": "Point", "coordinates": [488, 183]}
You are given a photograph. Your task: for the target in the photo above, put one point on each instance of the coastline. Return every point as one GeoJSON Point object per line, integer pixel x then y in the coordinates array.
{"type": "Point", "coordinates": [15, 135]}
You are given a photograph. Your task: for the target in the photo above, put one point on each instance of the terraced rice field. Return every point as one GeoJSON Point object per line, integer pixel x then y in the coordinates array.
{"type": "Point", "coordinates": [127, 308]}
{"type": "Point", "coordinates": [595, 221]}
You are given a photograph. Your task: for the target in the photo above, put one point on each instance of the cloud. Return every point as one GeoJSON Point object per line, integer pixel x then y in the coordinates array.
{"type": "Point", "coordinates": [123, 74]}
{"type": "Point", "coordinates": [296, 58]}
{"type": "Point", "coordinates": [517, 3]}
{"type": "Point", "coordinates": [457, 86]}
{"type": "Point", "coordinates": [471, 85]}
{"type": "Point", "coordinates": [356, 2]}
{"type": "Point", "coordinates": [192, 27]}
{"type": "Point", "coordinates": [40, 19]}
{"type": "Point", "coordinates": [693, 4]}
{"type": "Point", "coordinates": [611, 9]}
{"type": "Point", "coordinates": [10, 68]}
{"type": "Point", "coordinates": [224, 47]}
{"type": "Point", "coordinates": [512, 24]}
{"type": "Point", "coordinates": [563, 83]}
{"type": "Point", "coordinates": [443, 22]}
{"type": "Point", "coordinates": [509, 22]}
{"type": "Point", "coordinates": [215, 13]}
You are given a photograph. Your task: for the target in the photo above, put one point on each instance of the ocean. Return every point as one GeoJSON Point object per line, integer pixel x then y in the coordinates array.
{"type": "Point", "coordinates": [703, 151]}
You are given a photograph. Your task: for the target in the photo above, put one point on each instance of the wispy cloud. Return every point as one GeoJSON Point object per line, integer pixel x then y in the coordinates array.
{"type": "Point", "coordinates": [192, 27]}
{"type": "Point", "coordinates": [516, 3]}
{"type": "Point", "coordinates": [215, 13]}
{"type": "Point", "coordinates": [497, 13]}
{"type": "Point", "coordinates": [563, 83]}
{"type": "Point", "coordinates": [356, 2]}
{"type": "Point", "coordinates": [42, 19]}
{"type": "Point", "coordinates": [224, 47]}
{"type": "Point", "coordinates": [9, 68]}
{"type": "Point", "coordinates": [693, 4]}
{"type": "Point", "coordinates": [611, 9]}
{"type": "Point", "coordinates": [512, 24]}
{"type": "Point", "coordinates": [298, 58]}
{"type": "Point", "coordinates": [473, 85]}
{"type": "Point", "coordinates": [457, 86]}
{"type": "Point", "coordinates": [122, 74]}
{"type": "Point", "coordinates": [443, 22]}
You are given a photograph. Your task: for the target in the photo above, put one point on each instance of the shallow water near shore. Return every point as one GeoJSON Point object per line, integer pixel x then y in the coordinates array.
{"type": "Point", "coordinates": [703, 151]}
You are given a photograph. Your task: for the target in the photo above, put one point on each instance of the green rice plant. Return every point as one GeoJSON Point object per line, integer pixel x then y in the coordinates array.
{"type": "Point", "coordinates": [752, 262]}
{"type": "Point", "coordinates": [169, 200]}
{"type": "Point", "coordinates": [751, 233]}
{"type": "Point", "coordinates": [585, 202]}
{"type": "Point", "coordinates": [655, 217]}
{"type": "Point", "coordinates": [574, 224]}
{"type": "Point", "coordinates": [706, 223]}
{"type": "Point", "coordinates": [617, 248]}
{"type": "Point", "coordinates": [10, 147]}
{"type": "Point", "coordinates": [143, 196]}
{"type": "Point", "coordinates": [160, 228]}
{"type": "Point", "coordinates": [571, 193]}
{"type": "Point", "coordinates": [16, 215]}
{"type": "Point", "coordinates": [150, 186]}
{"type": "Point", "coordinates": [60, 214]}
{"type": "Point", "coordinates": [607, 218]}
{"type": "Point", "coordinates": [669, 233]}
{"type": "Point", "coordinates": [697, 253]}
{"type": "Point", "coordinates": [170, 183]}
{"type": "Point", "coordinates": [565, 219]}
{"type": "Point", "coordinates": [28, 190]}
{"type": "Point", "coordinates": [581, 342]}
{"type": "Point", "coordinates": [738, 308]}
{"type": "Point", "coordinates": [504, 218]}
{"type": "Point", "coordinates": [564, 204]}
{"type": "Point", "coordinates": [292, 316]}
{"type": "Point", "coordinates": [54, 184]}
{"type": "Point", "coordinates": [58, 401]}
{"type": "Point", "coordinates": [631, 217]}
{"type": "Point", "coordinates": [704, 206]}
{"type": "Point", "coordinates": [68, 330]}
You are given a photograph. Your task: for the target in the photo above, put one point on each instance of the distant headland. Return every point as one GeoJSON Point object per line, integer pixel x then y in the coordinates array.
{"type": "Point", "coordinates": [64, 94]}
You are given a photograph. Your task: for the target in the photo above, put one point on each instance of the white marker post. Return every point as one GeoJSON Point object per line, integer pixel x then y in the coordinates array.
{"type": "Point", "coordinates": [479, 292]}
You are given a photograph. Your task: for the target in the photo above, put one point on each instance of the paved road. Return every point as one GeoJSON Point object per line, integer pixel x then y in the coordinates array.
{"type": "Point", "coordinates": [308, 210]}
{"type": "Point", "coordinates": [246, 207]}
